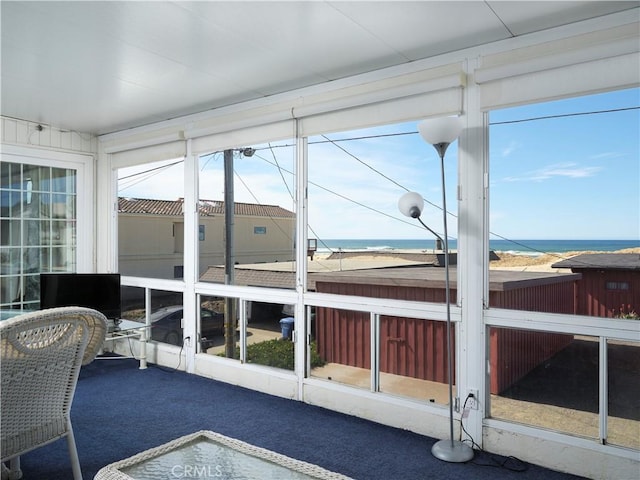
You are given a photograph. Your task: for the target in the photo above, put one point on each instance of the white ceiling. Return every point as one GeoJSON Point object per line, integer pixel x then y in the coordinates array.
{"type": "Point", "coordinates": [100, 67]}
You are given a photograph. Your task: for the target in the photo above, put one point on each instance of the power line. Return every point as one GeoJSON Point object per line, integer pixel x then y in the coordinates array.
{"type": "Point", "coordinates": [376, 136]}
{"type": "Point", "coordinates": [275, 159]}
{"type": "Point", "coordinates": [263, 207]}
{"type": "Point", "coordinates": [209, 157]}
{"type": "Point", "coordinates": [365, 164]}
{"type": "Point", "coordinates": [344, 197]}
{"type": "Point", "coordinates": [563, 115]}
{"type": "Point", "coordinates": [494, 123]}
{"type": "Point", "coordinates": [363, 137]}
{"type": "Point", "coordinates": [162, 167]}
{"type": "Point", "coordinates": [413, 132]}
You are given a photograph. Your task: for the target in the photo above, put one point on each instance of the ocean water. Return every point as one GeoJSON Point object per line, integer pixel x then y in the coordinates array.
{"type": "Point", "coordinates": [520, 247]}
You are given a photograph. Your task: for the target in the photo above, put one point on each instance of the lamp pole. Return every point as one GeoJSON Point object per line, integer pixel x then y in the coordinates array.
{"type": "Point", "coordinates": [440, 133]}
{"type": "Point", "coordinates": [447, 289]}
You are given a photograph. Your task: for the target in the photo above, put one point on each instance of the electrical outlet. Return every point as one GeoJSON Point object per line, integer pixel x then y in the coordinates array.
{"type": "Point", "coordinates": [472, 402]}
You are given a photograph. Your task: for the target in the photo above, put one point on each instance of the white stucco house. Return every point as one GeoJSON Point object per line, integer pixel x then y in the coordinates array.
{"type": "Point", "coordinates": [151, 235]}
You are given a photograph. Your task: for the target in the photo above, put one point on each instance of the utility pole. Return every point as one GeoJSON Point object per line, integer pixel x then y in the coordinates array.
{"type": "Point", "coordinates": [229, 256]}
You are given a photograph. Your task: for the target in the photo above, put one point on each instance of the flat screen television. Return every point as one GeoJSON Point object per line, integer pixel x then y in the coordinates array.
{"type": "Point", "coordinates": [100, 291]}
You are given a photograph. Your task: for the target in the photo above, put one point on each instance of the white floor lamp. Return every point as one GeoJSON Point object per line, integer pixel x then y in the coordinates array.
{"type": "Point", "coordinates": [441, 132]}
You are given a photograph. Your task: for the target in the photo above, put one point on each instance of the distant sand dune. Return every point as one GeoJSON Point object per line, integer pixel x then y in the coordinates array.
{"type": "Point", "coordinates": [542, 263]}
{"type": "Point", "coordinates": [507, 261]}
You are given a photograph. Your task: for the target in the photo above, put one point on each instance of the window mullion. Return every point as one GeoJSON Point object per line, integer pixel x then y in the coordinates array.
{"type": "Point", "coordinates": [603, 393]}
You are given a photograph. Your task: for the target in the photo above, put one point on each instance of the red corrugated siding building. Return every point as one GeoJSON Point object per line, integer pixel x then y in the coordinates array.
{"type": "Point", "coordinates": [610, 281]}
{"type": "Point", "coordinates": [417, 348]}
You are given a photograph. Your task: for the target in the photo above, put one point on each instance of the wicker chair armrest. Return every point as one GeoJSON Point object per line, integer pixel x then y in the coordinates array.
{"type": "Point", "coordinates": [96, 324]}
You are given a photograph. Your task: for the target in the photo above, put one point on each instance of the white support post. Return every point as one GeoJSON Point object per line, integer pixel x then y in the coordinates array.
{"type": "Point", "coordinates": [106, 213]}
{"type": "Point", "coordinates": [301, 332]}
{"type": "Point", "coordinates": [190, 258]}
{"type": "Point", "coordinates": [374, 324]}
{"type": "Point", "coordinates": [603, 390]}
{"type": "Point", "coordinates": [472, 258]}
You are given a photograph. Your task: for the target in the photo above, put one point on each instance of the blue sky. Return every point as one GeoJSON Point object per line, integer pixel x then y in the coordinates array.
{"type": "Point", "coordinates": [573, 177]}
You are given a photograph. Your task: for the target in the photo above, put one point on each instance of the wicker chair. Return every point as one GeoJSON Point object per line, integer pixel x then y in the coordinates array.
{"type": "Point", "coordinates": [41, 354]}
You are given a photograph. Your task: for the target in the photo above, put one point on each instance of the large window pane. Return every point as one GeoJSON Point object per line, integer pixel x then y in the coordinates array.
{"type": "Point", "coordinates": [343, 343]}
{"type": "Point", "coordinates": [133, 303]}
{"type": "Point", "coordinates": [545, 379]}
{"type": "Point", "coordinates": [270, 334]}
{"type": "Point", "coordinates": [219, 334]}
{"type": "Point", "coordinates": [268, 339]}
{"type": "Point", "coordinates": [151, 220]}
{"type": "Point", "coordinates": [623, 373]}
{"type": "Point", "coordinates": [355, 181]}
{"type": "Point", "coordinates": [560, 191]}
{"type": "Point", "coordinates": [412, 353]}
{"type": "Point", "coordinates": [167, 317]}
{"type": "Point", "coordinates": [260, 180]}
{"type": "Point", "coordinates": [413, 358]}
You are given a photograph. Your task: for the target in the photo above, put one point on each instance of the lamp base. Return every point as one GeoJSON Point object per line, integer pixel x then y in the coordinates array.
{"type": "Point", "coordinates": [452, 451]}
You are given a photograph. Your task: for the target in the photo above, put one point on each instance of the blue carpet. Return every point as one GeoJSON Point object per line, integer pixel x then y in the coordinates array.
{"type": "Point", "coordinates": [120, 410]}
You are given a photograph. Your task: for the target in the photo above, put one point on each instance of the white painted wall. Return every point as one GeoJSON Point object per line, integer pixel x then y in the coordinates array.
{"type": "Point", "coordinates": [151, 245]}
{"type": "Point", "coordinates": [21, 132]}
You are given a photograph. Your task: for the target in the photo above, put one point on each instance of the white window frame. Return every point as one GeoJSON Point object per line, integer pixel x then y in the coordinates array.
{"type": "Point", "coordinates": [85, 201]}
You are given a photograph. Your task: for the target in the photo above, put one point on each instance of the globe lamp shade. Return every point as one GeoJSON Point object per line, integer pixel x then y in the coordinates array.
{"type": "Point", "coordinates": [440, 130]}
{"type": "Point", "coordinates": [411, 204]}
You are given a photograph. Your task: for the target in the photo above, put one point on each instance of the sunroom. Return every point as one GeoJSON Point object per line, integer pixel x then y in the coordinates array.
{"type": "Point", "coordinates": [306, 113]}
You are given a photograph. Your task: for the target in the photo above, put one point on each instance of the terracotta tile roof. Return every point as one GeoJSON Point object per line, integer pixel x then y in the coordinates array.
{"type": "Point", "coordinates": [149, 207]}
{"type": "Point", "coordinates": [260, 278]}
{"type": "Point", "coordinates": [207, 208]}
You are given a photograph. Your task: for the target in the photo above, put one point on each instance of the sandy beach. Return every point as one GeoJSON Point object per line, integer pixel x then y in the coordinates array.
{"type": "Point", "coordinates": [506, 261]}
{"type": "Point", "coordinates": [541, 263]}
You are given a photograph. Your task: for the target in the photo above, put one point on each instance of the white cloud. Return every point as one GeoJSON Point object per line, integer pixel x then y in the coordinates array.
{"type": "Point", "coordinates": [509, 149]}
{"type": "Point", "coordinates": [570, 170]}
{"type": "Point", "coordinates": [566, 170]}
{"type": "Point", "coordinates": [598, 156]}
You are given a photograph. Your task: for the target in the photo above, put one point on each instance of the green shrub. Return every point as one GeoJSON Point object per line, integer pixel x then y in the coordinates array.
{"type": "Point", "coordinates": [277, 353]}
{"type": "Point", "coordinates": [626, 311]}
